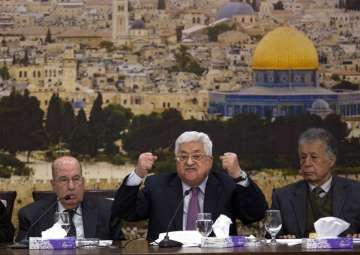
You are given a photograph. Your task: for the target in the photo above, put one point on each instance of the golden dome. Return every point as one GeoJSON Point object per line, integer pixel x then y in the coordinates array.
{"type": "Point", "coordinates": [285, 48]}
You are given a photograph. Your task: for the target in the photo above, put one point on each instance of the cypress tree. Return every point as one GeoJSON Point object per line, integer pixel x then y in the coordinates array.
{"type": "Point", "coordinates": [54, 119]}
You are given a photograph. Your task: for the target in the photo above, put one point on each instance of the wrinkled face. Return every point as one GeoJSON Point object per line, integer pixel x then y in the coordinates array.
{"type": "Point", "coordinates": [68, 181]}
{"type": "Point", "coordinates": [315, 162]}
{"type": "Point", "coordinates": [192, 164]}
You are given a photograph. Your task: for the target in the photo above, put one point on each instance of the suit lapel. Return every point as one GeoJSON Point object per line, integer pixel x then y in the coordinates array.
{"type": "Point", "coordinates": [212, 195]}
{"type": "Point", "coordinates": [298, 201]}
{"type": "Point", "coordinates": [339, 194]}
{"type": "Point", "coordinates": [174, 195]}
{"type": "Point", "coordinates": [89, 217]}
{"type": "Point", "coordinates": [49, 218]}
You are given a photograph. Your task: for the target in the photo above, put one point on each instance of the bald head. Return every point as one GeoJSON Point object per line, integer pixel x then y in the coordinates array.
{"type": "Point", "coordinates": [65, 162]}
{"type": "Point", "coordinates": [68, 181]}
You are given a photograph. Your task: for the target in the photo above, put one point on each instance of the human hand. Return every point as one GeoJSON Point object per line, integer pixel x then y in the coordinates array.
{"type": "Point", "coordinates": [145, 162]}
{"type": "Point", "coordinates": [231, 164]}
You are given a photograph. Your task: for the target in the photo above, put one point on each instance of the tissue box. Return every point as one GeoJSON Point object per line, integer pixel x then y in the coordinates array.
{"type": "Point", "coordinates": [215, 242]}
{"type": "Point", "coordinates": [37, 243]}
{"type": "Point", "coordinates": [328, 243]}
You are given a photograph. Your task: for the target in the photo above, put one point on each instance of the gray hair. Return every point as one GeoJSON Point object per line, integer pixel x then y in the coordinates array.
{"type": "Point", "coordinates": [194, 136]}
{"type": "Point", "coordinates": [322, 135]}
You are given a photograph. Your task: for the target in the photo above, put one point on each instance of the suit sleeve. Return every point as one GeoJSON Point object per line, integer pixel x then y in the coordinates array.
{"type": "Point", "coordinates": [24, 224]}
{"type": "Point", "coordinates": [130, 203]}
{"type": "Point", "coordinates": [6, 228]}
{"type": "Point", "coordinates": [249, 203]}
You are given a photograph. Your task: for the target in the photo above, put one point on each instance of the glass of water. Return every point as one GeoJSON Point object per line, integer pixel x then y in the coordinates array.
{"type": "Point", "coordinates": [204, 224]}
{"type": "Point", "coordinates": [64, 219]}
{"type": "Point", "coordinates": [273, 224]}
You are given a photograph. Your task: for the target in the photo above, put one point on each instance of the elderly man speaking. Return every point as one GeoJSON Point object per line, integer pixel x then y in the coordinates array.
{"type": "Point", "coordinates": [230, 192]}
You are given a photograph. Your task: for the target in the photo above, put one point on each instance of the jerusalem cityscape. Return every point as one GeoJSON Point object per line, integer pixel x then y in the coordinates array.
{"type": "Point", "coordinates": [105, 80]}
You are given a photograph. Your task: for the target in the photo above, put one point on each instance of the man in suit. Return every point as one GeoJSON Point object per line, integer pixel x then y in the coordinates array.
{"type": "Point", "coordinates": [319, 194]}
{"type": "Point", "coordinates": [229, 192]}
{"type": "Point", "coordinates": [6, 228]}
{"type": "Point", "coordinates": [90, 217]}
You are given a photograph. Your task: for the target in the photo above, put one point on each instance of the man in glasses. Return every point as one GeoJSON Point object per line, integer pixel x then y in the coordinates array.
{"type": "Point", "coordinates": [320, 193]}
{"type": "Point", "coordinates": [89, 217]}
{"type": "Point", "coordinates": [230, 192]}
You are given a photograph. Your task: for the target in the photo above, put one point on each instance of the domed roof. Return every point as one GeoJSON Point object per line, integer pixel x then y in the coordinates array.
{"type": "Point", "coordinates": [285, 48]}
{"type": "Point", "coordinates": [234, 8]}
{"type": "Point", "coordinates": [138, 24]}
{"type": "Point", "coordinates": [320, 105]}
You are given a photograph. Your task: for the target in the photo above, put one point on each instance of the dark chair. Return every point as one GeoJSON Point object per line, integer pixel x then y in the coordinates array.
{"type": "Point", "coordinates": [100, 193]}
{"type": "Point", "coordinates": [106, 193]}
{"type": "Point", "coordinates": [43, 195]}
{"type": "Point", "coordinates": [9, 196]}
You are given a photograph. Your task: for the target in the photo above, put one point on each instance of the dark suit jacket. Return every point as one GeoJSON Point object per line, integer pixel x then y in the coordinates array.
{"type": "Point", "coordinates": [95, 216]}
{"type": "Point", "coordinates": [163, 193]}
{"type": "Point", "coordinates": [6, 228]}
{"type": "Point", "coordinates": [291, 201]}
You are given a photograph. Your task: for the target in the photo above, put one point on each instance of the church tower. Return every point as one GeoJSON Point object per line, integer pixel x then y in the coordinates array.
{"type": "Point", "coordinates": [120, 19]}
{"type": "Point", "coordinates": [69, 71]}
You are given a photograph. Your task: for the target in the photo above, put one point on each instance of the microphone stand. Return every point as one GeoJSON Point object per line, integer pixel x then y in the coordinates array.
{"type": "Point", "coordinates": [167, 242]}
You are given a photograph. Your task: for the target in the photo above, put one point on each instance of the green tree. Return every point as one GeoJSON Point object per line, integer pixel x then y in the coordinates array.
{"type": "Point", "coordinates": [21, 121]}
{"type": "Point", "coordinates": [48, 38]}
{"type": "Point", "coordinates": [97, 124]}
{"type": "Point", "coordinates": [161, 5]}
{"type": "Point", "coordinates": [117, 120]}
{"type": "Point", "coordinates": [4, 73]}
{"type": "Point", "coordinates": [278, 5]}
{"type": "Point", "coordinates": [81, 140]}
{"type": "Point", "coordinates": [68, 121]}
{"type": "Point", "coordinates": [109, 46]}
{"type": "Point", "coordinates": [185, 62]}
{"type": "Point", "coordinates": [54, 119]}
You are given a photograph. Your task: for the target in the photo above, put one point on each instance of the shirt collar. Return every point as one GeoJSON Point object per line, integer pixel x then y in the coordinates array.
{"type": "Point", "coordinates": [326, 185]}
{"type": "Point", "coordinates": [202, 186]}
{"type": "Point", "coordinates": [61, 208]}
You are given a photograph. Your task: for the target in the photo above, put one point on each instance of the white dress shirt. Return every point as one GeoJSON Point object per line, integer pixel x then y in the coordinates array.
{"type": "Point", "coordinates": [78, 222]}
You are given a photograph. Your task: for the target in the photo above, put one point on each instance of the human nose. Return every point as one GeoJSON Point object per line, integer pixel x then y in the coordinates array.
{"type": "Point", "coordinates": [71, 184]}
{"type": "Point", "coordinates": [189, 160]}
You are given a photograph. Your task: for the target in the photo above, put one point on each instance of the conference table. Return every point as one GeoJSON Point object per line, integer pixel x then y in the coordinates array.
{"type": "Point", "coordinates": [141, 247]}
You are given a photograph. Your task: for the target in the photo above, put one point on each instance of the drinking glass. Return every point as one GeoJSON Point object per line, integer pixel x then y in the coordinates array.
{"type": "Point", "coordinates": [273, 224]}
{"type": "Point", "coordinates": [204, 224]}
{"type": "Point", "coordinates": [64, 219]}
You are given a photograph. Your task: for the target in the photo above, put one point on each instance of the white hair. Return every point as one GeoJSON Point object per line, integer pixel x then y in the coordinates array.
{"type": "Point", "coordinates": [194, 136]}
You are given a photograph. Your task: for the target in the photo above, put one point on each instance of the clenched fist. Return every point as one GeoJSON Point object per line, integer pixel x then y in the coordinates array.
{"type": "Point", "coordinates": [145, 162]}
{"type": "Point", "coordinates": [231, 164]}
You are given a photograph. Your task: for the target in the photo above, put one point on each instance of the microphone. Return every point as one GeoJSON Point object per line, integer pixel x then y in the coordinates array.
{"type": "Point", "coordinates": [25, 241]}
{"type": "Point", "coordinates": [167, 242]}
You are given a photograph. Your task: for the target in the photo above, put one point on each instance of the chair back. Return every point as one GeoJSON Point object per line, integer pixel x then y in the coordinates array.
{"type": "Point", "coordinates": [105, 193]}
{"type": "Point", "coordinates": [9, 197]}
{"type": "Point", "coordinates": [100, 193]}
{"type": "Point", "coordinates": [43, 195]}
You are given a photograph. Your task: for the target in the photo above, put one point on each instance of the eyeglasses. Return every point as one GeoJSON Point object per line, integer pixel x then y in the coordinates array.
{"type": "Point", "coordinates": [77, 179]}
{"type": "Point", "coordinates": [194, 157]}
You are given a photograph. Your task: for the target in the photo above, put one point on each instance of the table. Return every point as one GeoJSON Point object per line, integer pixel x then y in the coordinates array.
{"type": "Point", "coordinates": [141, 247]}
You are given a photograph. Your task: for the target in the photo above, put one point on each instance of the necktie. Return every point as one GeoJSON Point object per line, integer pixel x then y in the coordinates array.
{"type": "Point", "coordinates": [72, 230]}
{"type": "Point", "coordinates": [193, 209]}
{"type": "Point", "coordinates": [318, 192]}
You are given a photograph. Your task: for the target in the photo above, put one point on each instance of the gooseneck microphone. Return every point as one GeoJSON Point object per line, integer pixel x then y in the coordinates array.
{"type": "Point", "coordinates": [25, 240]}
{"type": "Point", "coordinates": [167, 242]}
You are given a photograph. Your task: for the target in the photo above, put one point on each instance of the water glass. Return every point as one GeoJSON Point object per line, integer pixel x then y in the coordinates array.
{"type": "Point", "coordinates": [204, 224]}
{"type": "Point", "coordinates": [64, 219]}
{"type": "Point", "coordinates": [273, 224]}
